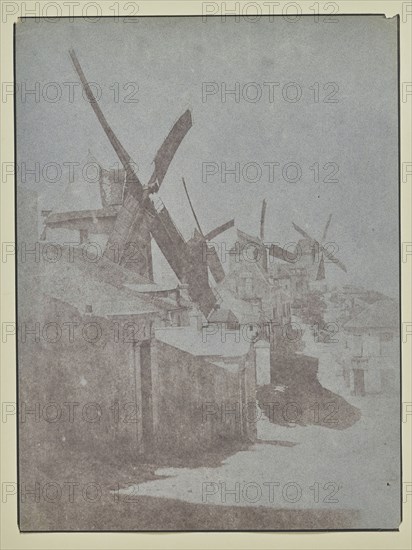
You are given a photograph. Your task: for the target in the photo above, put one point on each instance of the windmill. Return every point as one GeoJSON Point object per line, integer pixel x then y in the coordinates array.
{"type": "Point", "coordinates": [306, 251]}
{"type": "Point", "coordinates": [310, 248]}
{"type": "Point", "coordinates": [262, 249]}
{"type": "Point", "coordinates": [143, 215]}
{"type": "Point", "coordinates": [201, 251]}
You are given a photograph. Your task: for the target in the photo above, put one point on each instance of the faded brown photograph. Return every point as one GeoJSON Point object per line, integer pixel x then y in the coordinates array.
{"type": "Point", "coordinates": [207, 244]}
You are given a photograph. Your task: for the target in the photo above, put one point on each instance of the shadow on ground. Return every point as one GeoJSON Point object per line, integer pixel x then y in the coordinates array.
{"type": "Point", "coordinates": [297, 397]}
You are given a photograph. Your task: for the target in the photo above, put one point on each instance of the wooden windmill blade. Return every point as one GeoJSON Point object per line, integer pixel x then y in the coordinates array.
{"type": "Point", "coordinates": [262, 235]}
{"type": "Point", "coordinates": [170, 241]}
{"type": "Point", "coordinates": [166, 152]}
{"type": "Point", "coordinates": [303, 233]}
{"type": "Point", "coordinates": [120, 247]}
{"type": "Point", "coordinates": [210, 255]}
{"type": "Point", "coordinates": [181, 256]}
{"type": "Point", "coordinates": [207, 254]}
{"type": "Point", "coordinates": [214, 264]}
{"type": "Point", "coordinates": [124, 157]}
{"type": "Point", "coordinates": [262, 220]}
{"type": "Point", "coordinates": [215, 232]}
{"type": "Point", "coordinates": [123, 232]}
{"type": "Point", "coordinates": [322, 250]}
{"type": "Point", "coordinates": [326, 252]}
{"type": "Point", "coordinates": [129, 241]}
{"type": "Point", "coordinates": [213, 261]}
{"type": "Point", "coordinates": [320, 275]}
{"type": "Point", "coordinates": [178, 253]}
{"type": "Point", "coordinates": [218, 230]}
{"type": "Point", "coordinates": [325, 231]}
{"type": "Point", "coordinates": [333, 259]}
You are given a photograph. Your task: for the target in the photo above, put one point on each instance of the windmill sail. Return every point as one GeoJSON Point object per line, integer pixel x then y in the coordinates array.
{"type": "Point", "coordinates": [218, 230]}
{"type": "Point", "coordinates": [325, 231]}
{"type": "Point", "coordinates": [121, 152]}
{"type": "Point", "coordinates": [207, 254]}
{"type": "Point", "coordinates": [321, 270]}
{"type": "Point", "coordinates": [262, 220]}
{"type": "Point", "coordinates": [165, 154]}
{"type": "Point", "coordinates": [321, 249]}
{"type": "Point", "coordinates": [302, 232]}
{"type": "Point", "coordinates": [334, 259]}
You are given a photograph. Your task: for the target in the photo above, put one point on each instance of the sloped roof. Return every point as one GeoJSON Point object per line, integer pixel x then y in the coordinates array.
{"type": "Point", "coordinates": [68, 285]}
{"type": "Point", "coordinates": [203, 344]}
{"type": "Point", "coordinates": [381, 314]}
{"type": "Point", "coordinates": [249, 266]}
{"type": "Point", "coordinates": [73, 283]}
{"type": "Point", "coordinates": [57, 217]}
{"type": "Point", "coordinates": [369, 296]}
{"type": "Point", "coordinates": [243, 310]}
{"type": "Point", "coordinates": [222, 315]}
{"type": "Point", "coordinates": [79, 195]}
{"type": "Point", "coordinates": [157, 291]}
{"type": "Point", "coordinates": [279, 272]}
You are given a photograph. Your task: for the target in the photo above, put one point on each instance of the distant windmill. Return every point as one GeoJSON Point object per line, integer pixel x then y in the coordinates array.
{"type": "Point", "coordinates": [310, 246]}
{"type": "Point", "coordinates": [307, 249]}
{"type": "Point", "coordinates": [198, 244]}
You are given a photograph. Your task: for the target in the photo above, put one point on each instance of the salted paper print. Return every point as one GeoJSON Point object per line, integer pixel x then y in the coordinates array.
{"type": "Point", "coordinates": [208, 273]}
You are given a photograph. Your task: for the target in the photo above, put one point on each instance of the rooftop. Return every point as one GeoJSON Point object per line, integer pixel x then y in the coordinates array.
{"type": "Point", "coordinates": [381, 314]}
{"type": "Point", "coordinates": [242, 310]}
{"type": "Point", "coordinates": [204, 343]}
{"type": "Point", "coordinates": [71, 282]}
{"type": "Point", "coordinates": [222, 315]}
{"type": "Point", "coordinates": [56, 217]}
